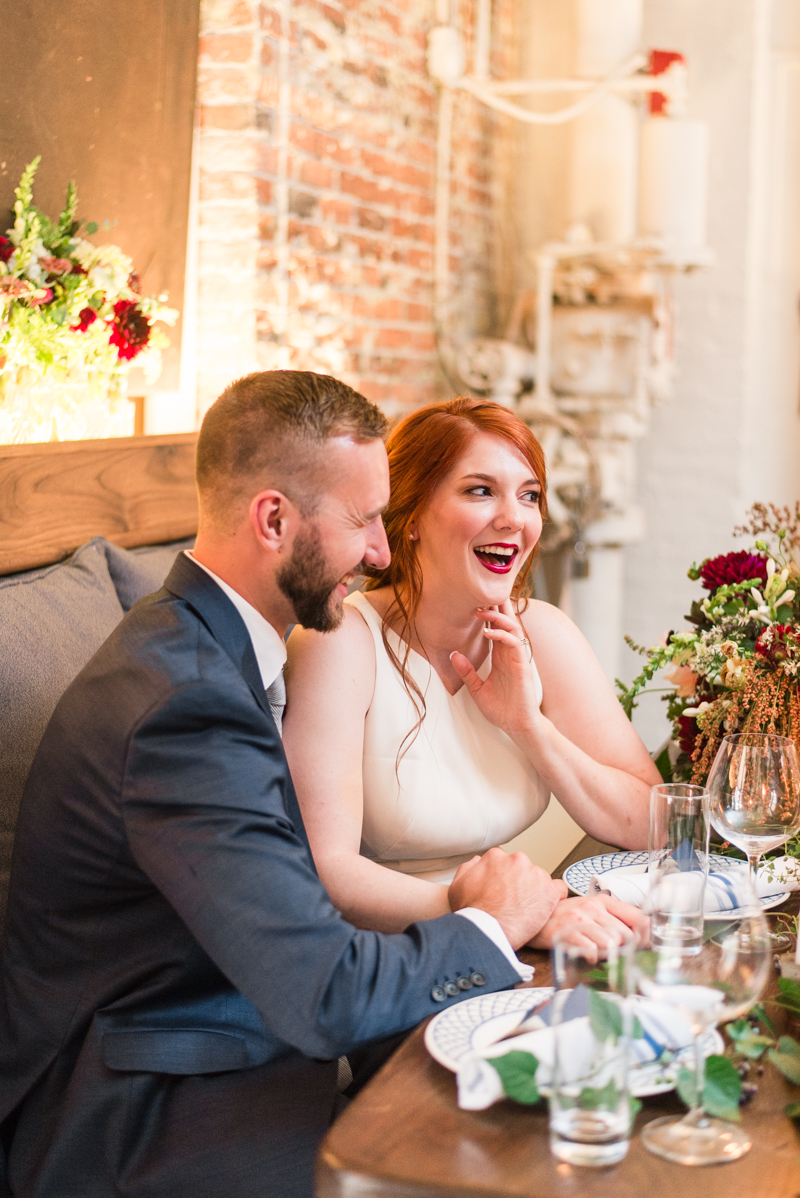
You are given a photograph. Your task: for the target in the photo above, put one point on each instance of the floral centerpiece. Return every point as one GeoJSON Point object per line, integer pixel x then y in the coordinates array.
{"type": "Point", "coordinates": [72, 323]}
{"type": "Point", "coordinates": [737, 667]}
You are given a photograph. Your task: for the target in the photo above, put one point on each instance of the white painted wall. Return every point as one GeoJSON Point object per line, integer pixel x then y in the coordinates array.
{"type": "Point", "coordinates": [731, 433]}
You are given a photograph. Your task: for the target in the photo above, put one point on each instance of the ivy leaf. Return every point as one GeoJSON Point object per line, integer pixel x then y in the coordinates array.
{"type": "Point", "coordinates": [605, 1017]}
{"type": "Point", "coordinates": [723, 1088]}
{"type": "Point", "coordinates": [517, 1072]}
{"type": "Point", "coordinates": [754, 1046]}
{"type": "Point", "coordinates": [749, 1042]}
{"type": "Point", "coordinates": [592, 1098]}
{"type": "Point", "coordinates": [786, 1057]}
{"type": "Point", "coordinates": [637, 1031]}
{"type": "Point", "coordinates": [792, 1110]}
{"type": "Point", "coordinates": [92, 227]}
{"type": "Point", "coordinates": [789, 997]}
{"type": "Point", "coordinates": [763, 1018]}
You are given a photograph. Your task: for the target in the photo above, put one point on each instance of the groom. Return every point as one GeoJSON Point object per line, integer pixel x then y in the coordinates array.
{"type": "Point", "coordinates": [177, 986]}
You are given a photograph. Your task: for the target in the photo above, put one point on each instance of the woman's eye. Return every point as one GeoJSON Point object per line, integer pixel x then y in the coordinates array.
{"type": "Point", "coordinates": [533, 496]}
{"type": "Point", "coordinates": [480, 491]}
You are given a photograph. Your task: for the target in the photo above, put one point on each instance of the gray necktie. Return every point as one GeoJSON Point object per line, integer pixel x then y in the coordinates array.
{"type": "Point", "coordinates": [276, 697]}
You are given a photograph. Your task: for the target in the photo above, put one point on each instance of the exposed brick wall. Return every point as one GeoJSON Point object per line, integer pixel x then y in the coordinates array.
{"type": "Point", "coordinates": [360, 164]}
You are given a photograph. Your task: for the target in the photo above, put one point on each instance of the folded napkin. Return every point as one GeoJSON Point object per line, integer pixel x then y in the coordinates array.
{"type": "Point", "coordinates": [662, 1027]}
{"type": "Point", "coordinates": [724, 891]}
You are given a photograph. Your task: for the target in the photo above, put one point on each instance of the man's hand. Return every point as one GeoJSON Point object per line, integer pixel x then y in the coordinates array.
{"type": "Point", "coordinates": [520, 895]}
{"type": "Point", "coordinates": [597, 922]}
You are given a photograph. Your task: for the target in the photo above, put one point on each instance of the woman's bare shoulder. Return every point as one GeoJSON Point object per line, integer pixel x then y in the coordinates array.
{"type": "Point", "coordinates": [543, 620]}
{"type": "Point", "coordinates": [352, 639]}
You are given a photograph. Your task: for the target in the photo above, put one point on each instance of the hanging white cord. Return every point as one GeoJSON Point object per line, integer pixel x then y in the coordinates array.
{"type": "Point", "coordinates": [484, 92]}
{"type": "Point", "coordinates": [282, 177]}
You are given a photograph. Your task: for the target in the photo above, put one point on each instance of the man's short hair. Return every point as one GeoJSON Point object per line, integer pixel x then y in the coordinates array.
{"type": "Point", "coordinates": [268, 430]}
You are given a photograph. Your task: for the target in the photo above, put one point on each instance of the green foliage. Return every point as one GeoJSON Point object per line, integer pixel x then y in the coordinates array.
{"type": "Point", "coordinates": [786, 1058]}
{"type": "Point", "coordinates": [792, 1109]}
{"type": "Point", "coordinates": [605, 1017]}
{"type": "Point", "coordinates": [597, 1098]}
{"type": "Point", "coordinates": [517, 1072]}
{"type": "Point", "coordinates": [748, 1042]}
{"type": "Point", "coordinates": [788, 996]}
{"type": "Point", "coordinates": [721, 1092]}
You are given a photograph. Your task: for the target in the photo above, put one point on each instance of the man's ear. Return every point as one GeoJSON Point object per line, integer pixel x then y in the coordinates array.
{"type": "Point", "coordinates": [274, 519]}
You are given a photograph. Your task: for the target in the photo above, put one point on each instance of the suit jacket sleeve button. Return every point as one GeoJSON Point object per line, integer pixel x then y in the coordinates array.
{"type": "Point", "coordinates": [438, 994]}
{"type": "Point", "coordinates": [477, 979]}
{"type": "Point", "coordinates": [464, 983]}
{"type": "Point", "coordinates": [451, 989]}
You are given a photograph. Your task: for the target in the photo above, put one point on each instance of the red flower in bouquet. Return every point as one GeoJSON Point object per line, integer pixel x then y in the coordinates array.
{"type": "Point", "coordinates": [687, 733]}
{"type": "Point", "coordinates": [6, 249]}
{"type": "Point", "coordinates": [778, 643]}
{"type": "Point", "coordinates": [86, 316]}
{"type": "Point", "coordinates": [130, 329]}
{"type": "Point", "coordinates": [730, 568]}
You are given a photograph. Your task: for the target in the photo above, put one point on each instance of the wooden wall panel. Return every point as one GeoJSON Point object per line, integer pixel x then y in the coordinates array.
{"type": "Point", "coordinates": [133, 490]}
{"type": "Point", "coordinates": [104, 90]}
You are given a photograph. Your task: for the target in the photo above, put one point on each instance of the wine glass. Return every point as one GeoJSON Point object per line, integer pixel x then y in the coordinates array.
{"type": "Point", "coordinates": [718, 984]}
{"type": "Point", "coordinates": [755, 797]}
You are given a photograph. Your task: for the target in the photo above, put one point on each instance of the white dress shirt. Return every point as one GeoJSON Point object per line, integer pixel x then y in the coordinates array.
{"type": "Point", "coordinates": [270, 651]}
{"type": "Point", "coordinates": [267, 644]}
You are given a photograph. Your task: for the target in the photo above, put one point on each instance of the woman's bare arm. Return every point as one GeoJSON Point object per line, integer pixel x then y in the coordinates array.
{"type": "Point", "coordinates": [587, 749]}
{"type": "Point", "coordinates": [330, 680]}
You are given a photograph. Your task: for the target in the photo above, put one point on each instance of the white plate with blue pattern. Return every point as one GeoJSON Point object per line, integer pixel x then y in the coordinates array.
{"type": "Point", "coordinates": [471, 1026]}
{"type": "Point", "coordinates": [579, 875]}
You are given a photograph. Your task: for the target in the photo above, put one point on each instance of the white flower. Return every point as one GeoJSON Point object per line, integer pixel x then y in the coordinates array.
{"type": "Point", "coordinates": [770, 567]}
{"type": "Point", "coordinates": [787, 597]}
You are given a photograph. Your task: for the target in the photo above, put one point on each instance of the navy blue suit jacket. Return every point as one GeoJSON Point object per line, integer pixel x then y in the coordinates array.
{"type": "Point", "coordinates": [176, 982]}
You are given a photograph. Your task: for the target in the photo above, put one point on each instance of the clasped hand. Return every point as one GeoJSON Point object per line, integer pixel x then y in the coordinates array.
{"type": "Point", "coordinates": [507, 697]}
{"type": "Point", "coordinates": [532, 908]}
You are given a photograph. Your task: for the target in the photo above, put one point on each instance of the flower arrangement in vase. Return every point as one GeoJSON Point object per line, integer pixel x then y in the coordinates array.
{"type": "Point", "coordinates": [72, 323]}
{"type": "Point", "coordinates": [737, 668]}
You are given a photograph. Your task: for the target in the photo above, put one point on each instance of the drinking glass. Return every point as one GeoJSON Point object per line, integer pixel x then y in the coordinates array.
{"type": "Point", "coordinates": [754, 788]}
{"type": "Point", "coordinates": [679, 834]}
{"type": "Point", "coordinates": [718, 984]}
{"type": "Point", "coordinates": [590, 1118]}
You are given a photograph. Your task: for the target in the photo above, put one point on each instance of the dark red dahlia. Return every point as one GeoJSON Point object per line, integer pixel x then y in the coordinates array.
{"type": "Point", "coordinates": [730, 568]}
{"type": "Point", "coordinates": [6, 249]}
{"type": "Point", "coordinates": [778, 643]}
{"type": "Point", "coordinates": [130, 329]}
{"type": "Point", "coordinates": [86, 316]}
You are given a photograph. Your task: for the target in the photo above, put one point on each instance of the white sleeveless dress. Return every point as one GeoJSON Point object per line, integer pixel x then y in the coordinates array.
{"type": "Point", "coordinates": [461, 787]}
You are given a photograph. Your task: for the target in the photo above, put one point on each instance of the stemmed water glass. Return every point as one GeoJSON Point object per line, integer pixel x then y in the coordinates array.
{"type": "Point", "coordinates": [718, 984]}
{"type": "Point", "coordinates": [754, 786]}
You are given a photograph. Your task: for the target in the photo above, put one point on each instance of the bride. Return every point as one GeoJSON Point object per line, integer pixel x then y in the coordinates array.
{"type": "Point", "coordinates": [439, 717]}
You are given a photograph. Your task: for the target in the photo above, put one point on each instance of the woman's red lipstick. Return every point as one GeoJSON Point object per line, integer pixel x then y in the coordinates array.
{"type": "Point", "coordinates": [499, 556]}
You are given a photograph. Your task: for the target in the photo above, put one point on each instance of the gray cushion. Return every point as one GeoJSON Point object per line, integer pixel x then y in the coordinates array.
{"type": "Point", "coordinates": [51, 622]}
{"type": "Point", "coordinates": [139, 572]}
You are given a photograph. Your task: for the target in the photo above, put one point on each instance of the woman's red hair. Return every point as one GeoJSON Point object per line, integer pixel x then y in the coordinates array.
{"type": "Point", "coordinates": [422, 449]}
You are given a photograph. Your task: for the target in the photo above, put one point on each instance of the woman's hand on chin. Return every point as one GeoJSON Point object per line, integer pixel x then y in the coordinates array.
{"type": "Point", "coordinates": [507, 698]}
{"type": "Point", "coordinates": [594, 923]}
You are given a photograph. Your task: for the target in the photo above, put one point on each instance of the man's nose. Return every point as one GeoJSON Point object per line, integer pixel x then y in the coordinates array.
{"type": "Point", "coordinates": [378, 553]}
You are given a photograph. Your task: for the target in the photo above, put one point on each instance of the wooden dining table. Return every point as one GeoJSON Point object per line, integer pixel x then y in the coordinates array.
{"type": "Point", "coordinates": [404, 1135]}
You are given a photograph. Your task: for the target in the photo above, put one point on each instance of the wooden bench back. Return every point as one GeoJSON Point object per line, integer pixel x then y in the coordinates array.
{"type": "Point", "coordinates": [132, 490]}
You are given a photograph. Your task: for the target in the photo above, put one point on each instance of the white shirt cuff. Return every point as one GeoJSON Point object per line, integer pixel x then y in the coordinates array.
{"type": "Point", "coordinates": [487, 924]}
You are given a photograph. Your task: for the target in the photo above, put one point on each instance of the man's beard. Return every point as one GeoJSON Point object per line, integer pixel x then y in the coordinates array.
{"type": "Point", "coordinates": [308, 584]}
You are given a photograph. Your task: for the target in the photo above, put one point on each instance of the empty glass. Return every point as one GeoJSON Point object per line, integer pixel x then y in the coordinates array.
{"type": "Point", "coordinates": [590, 1117]}
{"type": "Point", "coordinates": [754, 787]}
{"type": "Point", "coordinates": [718, 984]}
{"type": "Point", "coordinates": [679, 834]}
